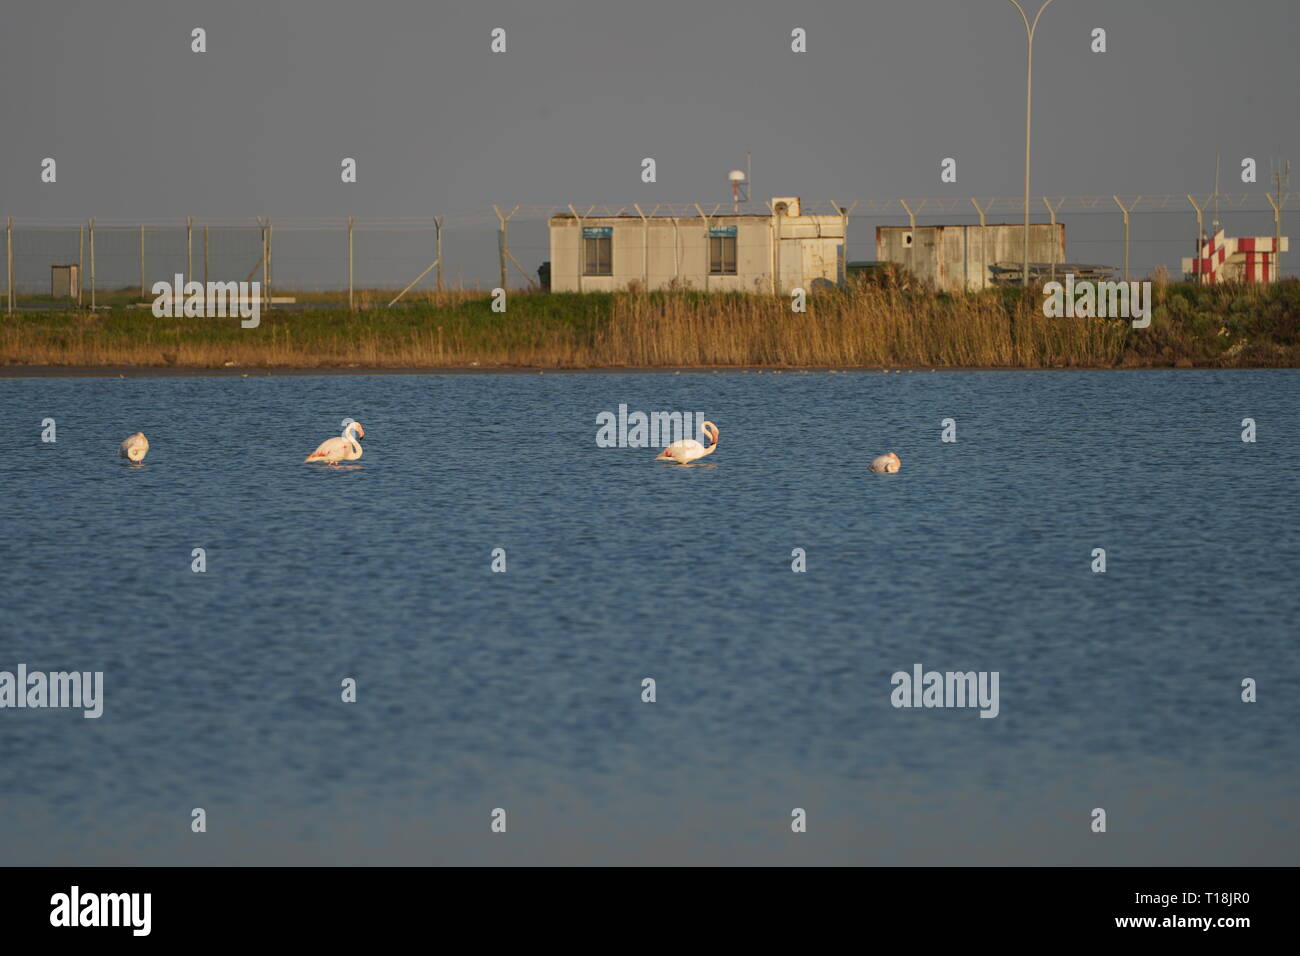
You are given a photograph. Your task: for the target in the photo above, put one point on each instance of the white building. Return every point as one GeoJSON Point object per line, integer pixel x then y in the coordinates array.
{"type": "Point", "coordinates": [955, 258]}
{"type": "Point", "coordinates": [740, 252]}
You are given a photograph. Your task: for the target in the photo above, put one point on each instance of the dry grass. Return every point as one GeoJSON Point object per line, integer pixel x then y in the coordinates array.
{"type": "Point", "coordinates": [863, 327]}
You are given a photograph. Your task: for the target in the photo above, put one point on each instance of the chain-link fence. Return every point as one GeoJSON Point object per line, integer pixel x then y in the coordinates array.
{"type": "Point", "coordinates": [370, 261]}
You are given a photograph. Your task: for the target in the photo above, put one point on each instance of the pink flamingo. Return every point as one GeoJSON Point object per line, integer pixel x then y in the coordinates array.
{"type": "Point", "coordinates": [344, 448]}
{"type": "Point", "coordinates": [886, 464]}
{"type": "Point", "coordinates": [687, 450]}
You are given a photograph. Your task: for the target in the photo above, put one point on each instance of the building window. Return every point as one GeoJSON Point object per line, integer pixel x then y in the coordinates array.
{"type": "Point", "coordinates": [722, 255]}
{"type": "Point", "coordinates": [598, 251]}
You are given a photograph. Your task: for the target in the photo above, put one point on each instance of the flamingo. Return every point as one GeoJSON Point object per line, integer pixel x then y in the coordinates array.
{"type": "Point", "coordinates": [345, 448]}
{"type": "Point", "coordinates": [134, 448]}
{"type": "Point", "coordinates": [888, 464]}
{"type": "Point", "coordinates": [688, 449]}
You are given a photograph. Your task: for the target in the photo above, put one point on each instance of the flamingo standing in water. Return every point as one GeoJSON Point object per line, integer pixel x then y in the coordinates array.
{"type": "Point", "coordinates": [344, 448]}
{"type": "Point", "coordinates": [686, 450]}
{"type": "Point", "coordinates": [886, 464]}
{"type": "Point", "coordinates": [134, 448]}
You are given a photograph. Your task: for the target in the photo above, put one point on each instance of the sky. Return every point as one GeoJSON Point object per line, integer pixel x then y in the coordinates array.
{"type": "Point", "coordinates": [142, 127]}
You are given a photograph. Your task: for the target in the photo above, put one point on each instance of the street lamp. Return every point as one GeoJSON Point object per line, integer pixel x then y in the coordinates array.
{"type": "Point", "coordinates": [1029, 99]}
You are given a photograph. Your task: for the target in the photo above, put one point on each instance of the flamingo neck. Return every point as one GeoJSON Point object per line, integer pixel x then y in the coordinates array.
{"type": "Point", "coordinates": [349, 435]}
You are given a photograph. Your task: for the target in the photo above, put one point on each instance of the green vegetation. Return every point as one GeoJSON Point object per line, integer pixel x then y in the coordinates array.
{"type": "Point", "coordinates": [869, 325]}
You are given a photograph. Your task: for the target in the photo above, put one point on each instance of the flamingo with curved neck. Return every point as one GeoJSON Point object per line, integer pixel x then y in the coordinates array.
{"type": "Point", "coordinates": [687, 450]}
{"type": "Point", "coordinates": [344, 448]}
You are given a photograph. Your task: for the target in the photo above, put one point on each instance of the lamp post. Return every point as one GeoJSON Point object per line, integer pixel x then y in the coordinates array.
{"type": "Point", "coordinates": [1029, 99]}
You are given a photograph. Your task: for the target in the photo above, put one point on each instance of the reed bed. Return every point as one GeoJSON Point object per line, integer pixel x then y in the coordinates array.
{"type": "Point", "coordinates": [866, 326]}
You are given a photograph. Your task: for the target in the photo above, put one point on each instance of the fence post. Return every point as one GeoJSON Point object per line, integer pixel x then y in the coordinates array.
{"type": "Point", "coordinates": [677, 262]}
{"type": "Point", "coordinates": [1277, 222]}
{"type": "Point", "coordinates": [708, 251]}
{"type": "Point", "coordinates": [1200, 236]}
{"type": "Point", "coordinates": [582, 252]}
{"type": "Point", "coordinates": [270, 239]}
{"type": "Point", "coordinates": [205, 262]}
{"type": "Point", "coordinates": [842, 258]}
{"type": "Point", "coordinates": [911, 247]}
{"type": "Point", "coordinates": [774, 238]}
{"type": "Point", "coordinates": [142, 292]}
{"type": "Point", "coordinates": [503, 243]}
{"type": "Point", "coordinates": [1126, 224]}
{"type": "Point", "coordinates": [435, 264]}
{"type": "Point", "coordinates": [1052, 213]}
{"type": "Point", "coordinates": [262, 293]}
{"type": "Point", "coordinates": [189, 249]}
{"type": "Point", "coordinates": [350, 221]}
{"type": "Point", "coordinates": [506, 257]}
{"type": "Point", "coordinates": [9, 264]}
{"type": "Point", "coordinates": [645, 246]}
{"type": "Point", "coordinates": [845, 213]}
{"type": "Point", "coordinates": [984, 273]}
{"type": "Point", "coordinates": [437, 247]}
{"type": "Point", "coordinates": [92, 262]}
{"type": "Point", "coordinates": [1126, 211]}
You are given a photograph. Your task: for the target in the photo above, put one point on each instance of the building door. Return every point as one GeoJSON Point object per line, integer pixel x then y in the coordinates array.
{"type": "Point", "coordinates": [814, 261]}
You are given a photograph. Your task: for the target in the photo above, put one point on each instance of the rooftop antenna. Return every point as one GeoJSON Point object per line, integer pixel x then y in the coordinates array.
{"type": "Point", "coordinates": [739, 179]}
{"type": "Point", "coordinates": [1281, 176]}
{"type": "Point", "coordinates": [1282, 180]}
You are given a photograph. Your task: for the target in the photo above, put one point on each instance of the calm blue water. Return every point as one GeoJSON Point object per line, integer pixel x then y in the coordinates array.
{"type": "Point", "coordinates": [522, 690]}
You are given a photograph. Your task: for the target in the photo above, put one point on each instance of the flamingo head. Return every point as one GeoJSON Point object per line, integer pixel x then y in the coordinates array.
{"type": "Point", "coordinates": [895, 457]}
{"type": "Point", "coordinates": [711, 432]}
{"type": "Point", "coordinates": [352, 425]}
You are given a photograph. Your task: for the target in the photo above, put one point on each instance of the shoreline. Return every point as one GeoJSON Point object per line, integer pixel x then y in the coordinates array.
{"type": "Point", "coordinates": [167, 371]}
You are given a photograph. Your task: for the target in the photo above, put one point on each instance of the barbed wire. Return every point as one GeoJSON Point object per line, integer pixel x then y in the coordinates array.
{"type": "Point", "coordinates": [900, 207]}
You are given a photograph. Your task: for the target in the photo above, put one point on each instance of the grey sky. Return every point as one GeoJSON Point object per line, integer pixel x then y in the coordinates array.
{"type": "Point", "coordinates": [143, 127]}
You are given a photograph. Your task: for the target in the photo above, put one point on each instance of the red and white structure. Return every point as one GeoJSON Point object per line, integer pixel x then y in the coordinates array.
{"type": "Point", "coordinates": [1239, 259]}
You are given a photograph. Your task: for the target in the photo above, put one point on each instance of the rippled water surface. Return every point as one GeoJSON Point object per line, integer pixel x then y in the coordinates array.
{"type": "Point", "coordinates": [522, 690]}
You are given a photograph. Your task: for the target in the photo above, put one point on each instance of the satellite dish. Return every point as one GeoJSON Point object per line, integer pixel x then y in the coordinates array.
{"type": "Point", "coordinates": [736, 176]}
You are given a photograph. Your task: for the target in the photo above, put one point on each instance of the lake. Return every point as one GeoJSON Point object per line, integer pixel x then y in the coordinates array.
{"type": "Point", "coordinates": [478, 690]}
